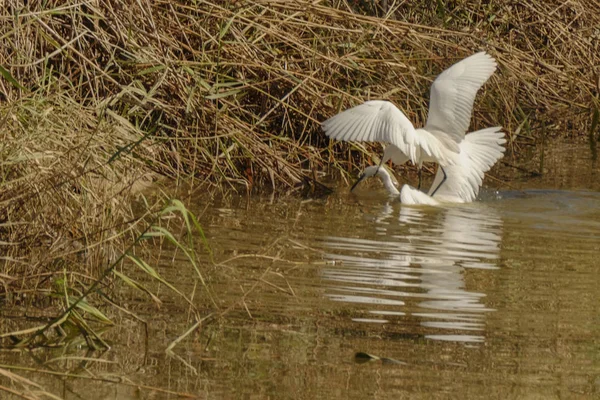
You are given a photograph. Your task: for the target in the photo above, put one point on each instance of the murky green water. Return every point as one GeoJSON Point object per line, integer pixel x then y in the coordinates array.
{"type": "Point", "coordinates": [495, 299]}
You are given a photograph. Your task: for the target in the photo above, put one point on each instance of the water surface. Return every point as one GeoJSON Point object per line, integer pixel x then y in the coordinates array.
{"type": "Point", "coordinates": [495, 299]}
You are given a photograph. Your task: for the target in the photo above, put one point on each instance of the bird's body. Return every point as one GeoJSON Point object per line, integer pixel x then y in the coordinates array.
{"type": "Point", "coordinates": [479, 151]}
{"type": "Point", "coordinates": [451, 101]}
{"type": "Point", "coordinates": [411, 196]}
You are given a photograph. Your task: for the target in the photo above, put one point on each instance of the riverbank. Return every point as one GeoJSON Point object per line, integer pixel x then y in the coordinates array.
{"type": "Point", "coordinates": [101, 100]}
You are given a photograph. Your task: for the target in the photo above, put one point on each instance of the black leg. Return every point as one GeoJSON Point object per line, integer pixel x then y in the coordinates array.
{"type": "Point", "coordinates": [420, 178]}
{"type": "Point", "coordinates": [441, 183]}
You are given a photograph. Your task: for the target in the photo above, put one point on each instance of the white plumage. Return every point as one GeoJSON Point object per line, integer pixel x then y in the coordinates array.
{"type": "Point", "coordinates": [451, 103]}
{"type": "Point", "coordinates": [479, 151]}
{"type": "Point", "coordinates": [410, 195]}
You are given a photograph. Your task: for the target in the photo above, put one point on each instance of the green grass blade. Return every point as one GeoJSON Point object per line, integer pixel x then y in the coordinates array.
{"type": "Point", "coordinates": [7, 75]}
{"type": "Point", "coordinates": [83, 305]}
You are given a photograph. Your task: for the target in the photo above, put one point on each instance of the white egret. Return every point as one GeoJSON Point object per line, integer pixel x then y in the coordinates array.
{"type": "Point", "coordinates": [479, 151]}
{"type": "Point", "coordinates": [452, 96]}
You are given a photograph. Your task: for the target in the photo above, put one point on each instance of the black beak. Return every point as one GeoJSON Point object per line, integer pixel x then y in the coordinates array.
{"type": "Point", "coordinates": [360, 178]}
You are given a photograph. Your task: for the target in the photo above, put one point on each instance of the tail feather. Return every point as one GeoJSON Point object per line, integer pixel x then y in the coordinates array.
{"type": "Point", "coordinates": [479, 151]}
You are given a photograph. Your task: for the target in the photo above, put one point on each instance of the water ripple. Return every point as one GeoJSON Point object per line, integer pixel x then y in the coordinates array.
{"type": "Point", "coordinates": [418, 255]}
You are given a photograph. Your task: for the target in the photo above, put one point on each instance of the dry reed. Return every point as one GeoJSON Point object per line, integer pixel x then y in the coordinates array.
{"type": "Point", "coordinates": [99, 96]}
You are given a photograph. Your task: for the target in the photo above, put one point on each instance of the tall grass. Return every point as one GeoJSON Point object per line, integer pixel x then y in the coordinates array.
{"type": "Point", "coordinates": [233, 91]}
{"type": "Point", "coordinates": [101, 98]}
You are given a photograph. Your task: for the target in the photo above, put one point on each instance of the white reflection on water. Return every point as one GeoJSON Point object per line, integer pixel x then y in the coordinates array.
{"type": "Point", "coordinates": [411, 267]}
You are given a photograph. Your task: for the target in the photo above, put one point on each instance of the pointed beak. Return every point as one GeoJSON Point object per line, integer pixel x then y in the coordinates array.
{"type": "Point", "coordinates": [380, 164]}
{"type": "Point", "coordinates": [360, 178]}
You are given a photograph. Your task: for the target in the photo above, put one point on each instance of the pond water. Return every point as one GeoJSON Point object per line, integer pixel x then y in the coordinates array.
{"type": "Point", "coordinates": [356, 296]}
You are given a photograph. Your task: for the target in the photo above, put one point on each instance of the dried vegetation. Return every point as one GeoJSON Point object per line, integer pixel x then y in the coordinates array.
{"type": "Point", "coordinates": [101, 97]}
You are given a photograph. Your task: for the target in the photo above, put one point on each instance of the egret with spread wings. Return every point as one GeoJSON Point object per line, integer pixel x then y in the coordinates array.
{"type": "Point", "coordinates": [452, 96]}
{"type": "Point", "coordinates": [479, 151]}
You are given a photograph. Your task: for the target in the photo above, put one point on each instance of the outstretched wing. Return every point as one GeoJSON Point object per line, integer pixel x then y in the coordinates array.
{"type": "Point", "coordinates": [479, 151]}
{"type": "Point", "coordinates": [381, 121]}
{"type": "Point", "coordinates": [453, 94]}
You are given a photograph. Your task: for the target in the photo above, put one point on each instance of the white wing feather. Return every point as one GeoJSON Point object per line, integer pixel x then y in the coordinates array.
{"type": "Point", "coordinates": [479, 151]}
{"type": "Point", "coordinates": [381, 121]}
{"type": "Point", "coordinates": [373, 121]}
{"type": "Point", "coordinates": [412, 196]}
{"type": "Point", "coordinates": [453, 94]}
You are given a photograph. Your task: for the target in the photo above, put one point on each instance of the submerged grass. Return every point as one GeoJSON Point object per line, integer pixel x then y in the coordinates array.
{"type": "Point", "coordinates": [99, 99]}
{"type": "Point", "coordinates": [80, 319]}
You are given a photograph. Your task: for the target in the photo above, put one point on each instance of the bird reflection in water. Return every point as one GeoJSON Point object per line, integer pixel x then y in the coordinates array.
{"type": "Point", "coordinates": [411, 268]}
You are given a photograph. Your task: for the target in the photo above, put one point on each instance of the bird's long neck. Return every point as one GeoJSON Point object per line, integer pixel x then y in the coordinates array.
{"type": "Point", "coordinates": [387, 181]}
